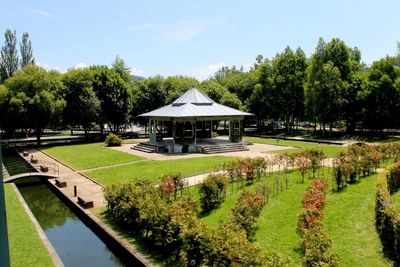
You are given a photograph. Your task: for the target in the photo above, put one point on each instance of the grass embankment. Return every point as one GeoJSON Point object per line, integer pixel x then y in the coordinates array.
{"type": "Point", "coordinates": [298, 146]}
{"type": "Point", "coordinates": [349, 220]}
{"type": "Point", "coordinates": [155, 169]}
{"type": "Point", "coordinates": [86, 156]}
{"type": "Point", "coordinates": [26, 247]}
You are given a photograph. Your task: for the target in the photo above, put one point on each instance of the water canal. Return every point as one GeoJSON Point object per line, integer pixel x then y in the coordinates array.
{"type": "Point", "coordinates": [74, 242]}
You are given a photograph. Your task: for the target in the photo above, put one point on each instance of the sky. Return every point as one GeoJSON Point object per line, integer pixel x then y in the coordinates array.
{"type": "Point", "coordinates": [195, 38]}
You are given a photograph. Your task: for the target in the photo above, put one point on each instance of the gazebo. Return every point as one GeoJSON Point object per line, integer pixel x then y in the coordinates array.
{"type": "Point", "coordinates": [191, 120]}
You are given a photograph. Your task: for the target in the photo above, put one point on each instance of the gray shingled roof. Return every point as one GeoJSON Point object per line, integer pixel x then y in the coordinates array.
{"type": "Point", "coordinates": [194, 104]}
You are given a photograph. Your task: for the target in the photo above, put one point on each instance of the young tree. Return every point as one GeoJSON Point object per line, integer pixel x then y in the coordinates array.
{"type": "Point", "coordinates": [9, 55]}
{"type": "Point", "coordinates": [26, 51]}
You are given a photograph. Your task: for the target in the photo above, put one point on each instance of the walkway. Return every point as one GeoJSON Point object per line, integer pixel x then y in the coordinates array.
{"type": "Point", "coordinates": [255, 150]}
{"type": "Point", "coordinates": [84, 185]}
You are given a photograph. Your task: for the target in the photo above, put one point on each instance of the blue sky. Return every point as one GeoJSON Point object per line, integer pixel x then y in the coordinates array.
{"type": "Point", "coordinates": [195, 38]}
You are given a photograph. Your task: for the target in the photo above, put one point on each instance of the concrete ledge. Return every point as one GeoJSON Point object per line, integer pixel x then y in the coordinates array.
{"type": "Point", "coordinates": [54, 256]}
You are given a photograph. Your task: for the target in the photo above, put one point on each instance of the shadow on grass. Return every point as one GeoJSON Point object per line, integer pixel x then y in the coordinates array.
{"type": "Point", "coordinates": [155, 254]}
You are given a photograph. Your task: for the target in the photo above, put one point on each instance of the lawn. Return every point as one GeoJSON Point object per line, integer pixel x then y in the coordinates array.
{"type": "Point", "coordinates": [86, 156]}
{"type": "Point", "coordinates": [26, 247]}
{"type": "Point", "coordinates": [329, 150]}
{"type": "Point", "coordinates": [154, 169]}
{"type": "Point", "coordinates": [349, 220]}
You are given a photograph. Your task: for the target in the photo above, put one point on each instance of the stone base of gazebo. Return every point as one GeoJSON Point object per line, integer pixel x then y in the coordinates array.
{"type": "Point", "coordinates": [204, 145]}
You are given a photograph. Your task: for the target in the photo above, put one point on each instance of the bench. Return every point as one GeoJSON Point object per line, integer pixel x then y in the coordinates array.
{"type": "Point", "coordinates": [25, 153]}
{"type": "Point", "coordinates": [60, 182]}
{"type": "Point", "coordinates": [34, 161]}
{"type": "Point", "coordinates": [85, 201]}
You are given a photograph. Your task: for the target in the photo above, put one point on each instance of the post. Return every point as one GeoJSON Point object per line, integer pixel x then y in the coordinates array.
{"type": "Point", "coordinates": [75, 191]}
{"type": "Point", "coordinates": [4, 250]}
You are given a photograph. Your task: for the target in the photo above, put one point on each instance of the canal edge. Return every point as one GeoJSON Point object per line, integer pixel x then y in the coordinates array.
{"type": "Point", "coordinates": [99, 228]}
{"type": "Point", "coordinates": [54, 256]}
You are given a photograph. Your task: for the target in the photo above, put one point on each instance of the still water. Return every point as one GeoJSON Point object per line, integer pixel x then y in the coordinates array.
{"type": "Point", "coordinates": [74, 242]}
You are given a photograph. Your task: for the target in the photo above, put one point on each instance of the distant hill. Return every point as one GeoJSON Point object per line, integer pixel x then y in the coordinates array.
{"type": "Point", "coordinates": [137, 78]}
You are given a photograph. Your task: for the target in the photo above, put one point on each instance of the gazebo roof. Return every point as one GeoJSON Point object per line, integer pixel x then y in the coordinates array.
{"type": "Point", "coordinates": [194, 104]}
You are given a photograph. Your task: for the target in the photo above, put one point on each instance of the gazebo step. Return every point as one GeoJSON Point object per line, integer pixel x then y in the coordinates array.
{"type": "Point", "coordinates": [210, 149]}
{"type": "Point", "coordinates": [145, 148]}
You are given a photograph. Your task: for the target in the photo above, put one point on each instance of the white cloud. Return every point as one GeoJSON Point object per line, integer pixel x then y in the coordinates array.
{"type": "Point", "coordinates": [50, 67]}
{"type": "Point", "coordinates": [44, 13]}
{"type": "Point", "coordinates": [137, 72]}
{"type": "Point", "coordinates": [80, 65]}
{"type": "Point", "coordinates": [179, 31]}
{"type": "Point", "coordinates": [205, 72]}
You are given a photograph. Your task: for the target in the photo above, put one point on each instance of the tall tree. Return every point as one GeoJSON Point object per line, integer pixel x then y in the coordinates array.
{"type": "Point", "coordinates": [82, 105]}
{"type": "Point", "coordinates": [9, 55]}
{"type": "Point", "coordinates": [122, 69]}
{"type": "Point", "coordinates": [115, 101]}
{"type": "Point", "coordinates": [35, 94]}
{"type": "Point", "coordinates": [288, 74]}
{"type": "Point", "coordinates": [26, 51]}
{"type": "Point", "coordinates": [380, 96]}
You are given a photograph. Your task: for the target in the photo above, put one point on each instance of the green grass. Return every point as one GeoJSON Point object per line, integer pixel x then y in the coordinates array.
{"type": "Point", "coordinates": [26, 247]}
{"type": "Point", "coordinates": [154, 169]}
{"type": "Point", "coordinates": [329, 150]}
{"type": "Point", "coordinates": [349, 220]}
{"type": "Point", "coordinates": [86, 156]}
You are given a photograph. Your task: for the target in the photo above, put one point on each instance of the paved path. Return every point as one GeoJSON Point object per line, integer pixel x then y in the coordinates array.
{"type": "Point", "coordinates": [255, 150]}
{"type": "Point", "coordinates": [84, 185]}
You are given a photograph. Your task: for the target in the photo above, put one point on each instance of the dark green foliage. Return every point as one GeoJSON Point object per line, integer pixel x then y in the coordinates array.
{"type": "Point", "coordinates": [9, 61]}
{"type": "Point", "coordinates": [113, 140]}
{"type": "Point", "coordinates": [112, 92]}
{"type": "Point", "coordinates": [387, 220]}
{"type": "Point", "coordinates": [393, 178]}
{"type": "Point", "coordinates": [26, 51]}
{"type": "Point", "coordinates": [212, 191]}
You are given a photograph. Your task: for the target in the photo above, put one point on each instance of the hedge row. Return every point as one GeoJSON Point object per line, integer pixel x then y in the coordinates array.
{"type": "Point", "coordinates": [315, 243]}
{"type": "Point", "coordinates": [173, 228]}
{"type": "Point", "coordinates": [387, 219]}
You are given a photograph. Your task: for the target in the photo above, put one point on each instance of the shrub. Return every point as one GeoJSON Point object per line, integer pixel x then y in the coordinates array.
{"type": "Point", "coordinates": [170, 184]}
{"type": "Point", "coordinates": [246, 210]}
{"type": "Point", "coordinates": [212, 191]}
{"type": "Point", "coordinates": [113, 140]}
{"type": "Point", "coordinates": [393, 178]}
{"type": "Point", "coordinates": [317, 248]}
{"type": "Point", "coordinates": [387, 221]}
{"type": "Point", "coordinates": [316, 158]}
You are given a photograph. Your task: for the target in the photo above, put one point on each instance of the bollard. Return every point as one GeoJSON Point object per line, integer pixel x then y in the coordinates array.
{"type": "Point", "coordinates": [75, 190]}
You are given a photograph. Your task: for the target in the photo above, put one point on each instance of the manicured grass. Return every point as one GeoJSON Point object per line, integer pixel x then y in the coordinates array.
{"type": "Point", "coordinates": [26, 247]}
{"type": "Point", "coordinates": [298, 146]}
{"type": "Point", "coordinates": [349, 220]}
{"type": "Point", "coordinates": [85, 156]}
{"type": "Point", "coordinates": [154, 169]}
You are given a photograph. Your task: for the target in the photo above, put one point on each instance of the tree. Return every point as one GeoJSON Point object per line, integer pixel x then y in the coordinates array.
{"type": "Point", "coordinates": [261, 101]}
{"type": "Point", "coordinates": [220, 94]}
{"type": "Point", "coordinates": [26, 51]}
{"type": "Point", "coordinates": [82, 105]}
{"type": "Point", "coordinates": [112, 92]}
{"type": "Point", "coordinates": [380, 97]}
{"type": "Point", "coordinates": [288, 74]}
{"type": "Point", "coordinates": [36, 94]}
{"type": "Point", "coordinates": [9, 55]}
{"type": "Point", "coordinates": [122, 69]}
